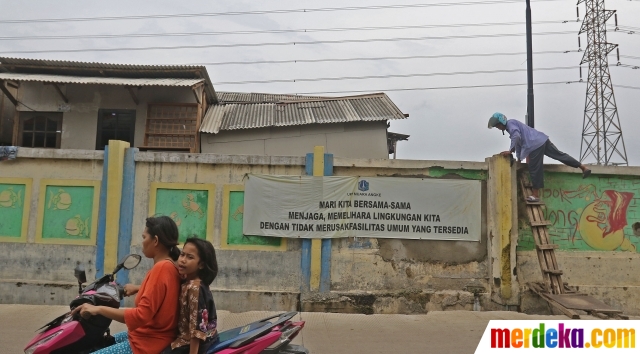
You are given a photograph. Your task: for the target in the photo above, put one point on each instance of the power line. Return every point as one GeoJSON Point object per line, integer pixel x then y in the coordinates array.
{"type": "Point", "coordinates": [402, 75]}
{"type": "Point", "coordinates": [388, 76]}
{"type": "Point", "coordinates": [307, 30]}
{"type": "Point", "coordinates": [265, 12]}
{"type": "Point", "coordinates": [621, 30]}
{"type": "Point", "coordinates": [628, 87]}
{"type": "Point", "coordinates": [449, 88]}
{"type": "Point", "coordinates": [237, 45]}
{"type": "Point", "coordinates": [629, 27]}
{"type": "Point", "coordinates": [620, 65]}
{"type": "Point", "coordinates": [434, 88]}
{"type": "Point", "coordinates": [629, 57]}
{"type": "Point", "coordinates": [290, 61]}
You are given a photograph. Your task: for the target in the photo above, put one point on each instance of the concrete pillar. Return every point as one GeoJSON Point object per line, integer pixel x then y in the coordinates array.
{"type": "Point", "coordinates": [502, 229]}
{"type": "Point", "coordinates": [114, 197]}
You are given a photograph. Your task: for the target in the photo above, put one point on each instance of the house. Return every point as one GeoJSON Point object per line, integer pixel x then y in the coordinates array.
{"type": "Point", "coordinates": [284, 125]}
{"type": "Point", "coordinates": [78, 105]}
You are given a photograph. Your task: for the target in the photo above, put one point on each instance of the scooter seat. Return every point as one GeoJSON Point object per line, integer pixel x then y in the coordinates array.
{"type": "Point", "coordinates": [231, 336]}
{"type": "Point", "coordinates": [226, 338]}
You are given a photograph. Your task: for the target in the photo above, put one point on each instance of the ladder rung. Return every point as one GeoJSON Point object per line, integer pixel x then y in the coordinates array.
{"type": "Point", "coordinates": [540, 223]}
{"type": "Point", "coordinates": [552, 271]}
{"type": "Point", "coordinates": [549, 246]}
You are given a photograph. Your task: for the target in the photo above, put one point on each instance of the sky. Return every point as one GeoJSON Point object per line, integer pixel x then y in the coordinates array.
{"type": "Point", "coordinates": [444, 124]}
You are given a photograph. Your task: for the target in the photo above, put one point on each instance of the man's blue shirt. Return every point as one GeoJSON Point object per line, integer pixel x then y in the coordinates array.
{"type": "Point", "coordinates": [524, 138]}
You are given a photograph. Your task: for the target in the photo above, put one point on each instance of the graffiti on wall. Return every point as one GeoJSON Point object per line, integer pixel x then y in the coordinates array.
{"type": "Point", "coordinates": [596, 214]}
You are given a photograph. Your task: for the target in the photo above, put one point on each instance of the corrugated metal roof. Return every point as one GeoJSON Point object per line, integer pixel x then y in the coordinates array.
{"type": "Point", "coordinates": [298, 111]}
{"type": "Point", "coordinates": [64, 79]}
{"type": "Point", "coordinates": [252, 97]}
{"type": "Point", "coordinates": [92, 65]}
{"type": "Point", "coordinates": [93, 69]}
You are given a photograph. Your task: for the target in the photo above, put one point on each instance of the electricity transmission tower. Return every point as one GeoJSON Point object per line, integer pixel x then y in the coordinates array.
{"type": "Point", "coordinates": [601, 130]}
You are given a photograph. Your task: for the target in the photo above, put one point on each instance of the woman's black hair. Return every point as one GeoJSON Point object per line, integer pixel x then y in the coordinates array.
{"type": "Point", "coordinates": [207, 255]}
{"type": "Point", "coordinates": [166, 230]}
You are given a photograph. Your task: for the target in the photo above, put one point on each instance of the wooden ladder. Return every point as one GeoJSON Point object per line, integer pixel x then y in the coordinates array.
{"type": "Point", "coordinates": [544, 248]}
{"type": "Point", "coordinates": [553, 289]}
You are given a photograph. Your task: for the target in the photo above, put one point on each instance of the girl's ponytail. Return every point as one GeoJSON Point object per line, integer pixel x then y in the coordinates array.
{"type": "Point", "coordinates": [167, 232]}
{"type": "Point", "coordinates": [174, 253]}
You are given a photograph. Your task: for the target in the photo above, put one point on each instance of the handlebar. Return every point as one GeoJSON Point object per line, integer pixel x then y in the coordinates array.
{"type": "Point", "coordinates": [120, 291]}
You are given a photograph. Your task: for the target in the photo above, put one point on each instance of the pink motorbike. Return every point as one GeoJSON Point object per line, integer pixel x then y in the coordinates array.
{"type": "Point", "coordinates": [73, 334]}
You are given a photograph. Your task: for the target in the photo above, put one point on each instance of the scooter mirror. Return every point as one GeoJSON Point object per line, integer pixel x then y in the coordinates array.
{"type": "Point", "coordinates": [80, 274]}
{"type": "Point", "coordinates": [131, 261]}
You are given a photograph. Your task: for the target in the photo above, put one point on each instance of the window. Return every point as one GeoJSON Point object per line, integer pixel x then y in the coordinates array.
{"type": "Point", "coordinates": [40, 130]}
{"type": "Point", "coordinates": [115, 124]}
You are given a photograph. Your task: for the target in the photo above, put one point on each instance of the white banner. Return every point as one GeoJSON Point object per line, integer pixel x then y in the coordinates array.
{"type": "Point", "coordinates": [384, 207]}
{"type": "Point", "coordinates": [546, 336]}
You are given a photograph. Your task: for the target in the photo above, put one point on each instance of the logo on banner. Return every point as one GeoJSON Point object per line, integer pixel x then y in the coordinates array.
{"type": "Point", "coordinates": [523, 335]}
{"type": "Point", "coordinates": [363, 186]}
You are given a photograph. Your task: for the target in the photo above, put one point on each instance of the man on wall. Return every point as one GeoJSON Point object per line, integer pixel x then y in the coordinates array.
{"type": "Point", "coordinates": [528, 142]}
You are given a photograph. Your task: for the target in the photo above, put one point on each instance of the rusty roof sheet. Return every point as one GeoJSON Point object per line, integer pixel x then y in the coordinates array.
{"type": "Point", "coordinates": [94, 69]}
{"type": "Point", "coordinates": [64, 79]}
{"type": "Point", "coordinates": [296, 110]}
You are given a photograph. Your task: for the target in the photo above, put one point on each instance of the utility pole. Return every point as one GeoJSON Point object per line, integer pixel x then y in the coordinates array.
{"type": "Point", "coordinates": [601, 130]}
{"type": "Point", "coordinates": [530, 117]}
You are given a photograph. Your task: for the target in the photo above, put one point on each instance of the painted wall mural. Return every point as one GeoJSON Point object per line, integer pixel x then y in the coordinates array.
{"type": "Point", "coordinates": [189, 205]}
{"type": "Point", "coordinates": [232, 218]}
{"type": "Point", "coordinates": [600, 213]}
{"type": "Point", "coordinates": [67, 211]}
{"type": "Point", "coordinates": [235, 235]}
{"type": "Point", "coordinates": [15, 196]}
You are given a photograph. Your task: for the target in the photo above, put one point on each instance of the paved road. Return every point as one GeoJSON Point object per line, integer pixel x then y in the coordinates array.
{"type": "Point", "coordinates": [437, 332]}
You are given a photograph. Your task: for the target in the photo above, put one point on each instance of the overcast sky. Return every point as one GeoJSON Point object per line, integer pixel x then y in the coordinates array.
{"type": "Point", "coordinates": [444, 124]}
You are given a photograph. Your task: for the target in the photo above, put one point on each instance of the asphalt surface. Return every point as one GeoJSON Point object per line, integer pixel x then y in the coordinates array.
{"type": "Point", "coordinates": [435, 332]}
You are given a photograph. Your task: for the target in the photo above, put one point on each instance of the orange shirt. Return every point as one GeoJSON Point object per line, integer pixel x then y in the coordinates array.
{"type": "Point", "coordinates": [153, 323]}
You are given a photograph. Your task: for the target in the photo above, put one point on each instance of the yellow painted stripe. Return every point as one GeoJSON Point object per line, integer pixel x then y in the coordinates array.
{"type": "Point", "coordinates": [505, 206]}
{"type": "Point", "coordinates": [318, 161]}
{"type": "Point", "coordinates": [114, 195]}
{"type": "Point", "coordinates": [316, 244]}
{"type": "Point", "coordinates": [316, 258]}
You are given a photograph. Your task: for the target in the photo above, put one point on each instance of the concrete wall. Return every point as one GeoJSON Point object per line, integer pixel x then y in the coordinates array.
{"type": "Point", "coordinates": [353, 139]}
{"type": "Point", "coordinates": [80, 115]}
{"type": "Point", "coordinates": [245, 270]}
{"type": "Point", "coordinates": [34, 272]}
{"type": "Point", "coordinates": [596, 230]}
{"type": "Point", "coordinates": [367, 275]}
{"type": "Point", "coordinates": [388, 269]}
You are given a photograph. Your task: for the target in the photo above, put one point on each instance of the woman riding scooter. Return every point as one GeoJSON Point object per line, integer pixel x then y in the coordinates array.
{"type": "Point", "coordinates": [152, 323]}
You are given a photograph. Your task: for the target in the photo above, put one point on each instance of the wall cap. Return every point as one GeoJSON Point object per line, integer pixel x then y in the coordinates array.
{"type": "Point", "coordinates": [409, 164]}
{"type": "Point", "coordinates": [596, 169]}
{"type": "Point", "coordinates": [171, 157]}
{"type": "Point", "coordinates": [62, 154]}
{"type": "Point", "coordinates": [219, 159]}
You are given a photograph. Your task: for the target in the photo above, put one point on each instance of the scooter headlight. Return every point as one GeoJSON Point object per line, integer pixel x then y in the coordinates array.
{"type": "Point", "coordinates": [42, 341]}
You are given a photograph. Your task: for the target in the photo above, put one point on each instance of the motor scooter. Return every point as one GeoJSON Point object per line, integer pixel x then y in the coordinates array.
{"type": "Point", "coordinates": [75, 334]}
